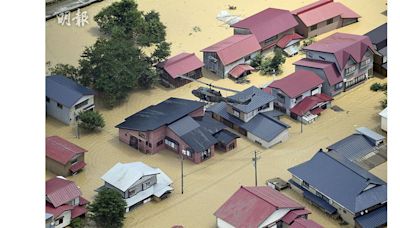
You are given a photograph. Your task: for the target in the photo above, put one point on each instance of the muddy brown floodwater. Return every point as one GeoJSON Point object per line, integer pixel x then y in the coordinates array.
{"type": "Point", "coordinates": [209, 184]}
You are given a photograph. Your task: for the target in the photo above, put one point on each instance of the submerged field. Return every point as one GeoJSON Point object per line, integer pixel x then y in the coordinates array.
{"type": "Point", "coordinates": [208, 185]}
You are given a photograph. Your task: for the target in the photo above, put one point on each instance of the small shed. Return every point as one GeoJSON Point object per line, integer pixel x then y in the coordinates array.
{"type": "Point", "coordinates": [240, 70]}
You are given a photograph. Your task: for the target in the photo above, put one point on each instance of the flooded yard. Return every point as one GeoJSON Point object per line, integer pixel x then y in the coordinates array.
{"type": "Point", "coordinates": [209, 184]}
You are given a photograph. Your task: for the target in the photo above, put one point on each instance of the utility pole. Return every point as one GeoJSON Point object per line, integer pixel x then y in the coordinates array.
{"type": "Point", "coordinates": [255, 165]}
{"type": "Point", "coordinates": [182, 173]}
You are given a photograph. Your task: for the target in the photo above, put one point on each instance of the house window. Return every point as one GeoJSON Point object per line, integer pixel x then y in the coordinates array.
{"type": "Point", "coordinates": [270, 39]}
{"type": "Point", "coordinates": [187, 153]}
{"type": "Point", "coordinates": [384, 59]}
{"type": "Point", "coordinates": [171, 144]}
{"type": "Point", "coordinates": [146, 185]}
{"type": "Point", "coordinates": [131, 192]}
{"type": "Point", "coordinates": [150, 145]}
{"type": "Point", "coordinates": [59, 221]}
{"type": "Point", "coordinates": [350, 70]}
{"type": "Point", "coordinates": [59, 105]}
{"type": "Point", "coordinates": [365, 63]}
{"type": "Point", "coordinates": [305, 184]}
{"type": "Point", "coordinates": [236, 113]}
{"type": "Point", "coordinates": [314, 27]}
{"type": "Point", "coordinates": [329, 21]}
{"type": "Point", "coordinates": [73, 161]}
{"type": "Point", "coordinates": [299, 98]}
{"type": "Point", "coordinates": [314, 91]}
{"type": "Point", "coordinates": [281, 98]}
{"type": "Point", "coordinates": [47, 99]}
{"type": "Point", "coordinates": [247, 58]}
{"type": "Point", "coordinates": [83, 103]}
{"type": "Point", "coordinates": [143, 135]}
{"type": "Point", "coordinates": [339, 86]}
{"type": "Point", "coordinates": [159, 143]}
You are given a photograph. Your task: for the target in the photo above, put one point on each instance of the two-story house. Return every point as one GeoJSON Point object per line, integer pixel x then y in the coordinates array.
{"type": "Point", "coordinates": [250, 117]}
{"type": "Point", "coordinates": [65, 98]}
{"type": "Point", "coordinates": [137, 183]}
{"type": "Point", "coordinates": [64, 201]}
{"type": "Point", "coordinates": [222, 57]}
{"type": "Point", "coordinates": [378, 37]}
{"type": "Point", "coordinates": [178, 125]}
{"type": "Point", "coordinates": [323, 16]}
{"type": "Point", "coordinates": [340, 187]}
{"type": "Point", "coordinates": [299, 95]}
{"type": "Point", "coordinates": [63, 157]}
{"type": "Point", "coordinates": [262, 207]}
{"type": "Point", "coordinates": [351, 55]}
{"type": "Point", "coordinates": [269, 27]}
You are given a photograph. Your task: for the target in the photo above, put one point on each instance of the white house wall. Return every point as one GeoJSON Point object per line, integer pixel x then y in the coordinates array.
{"type": "Point", "coordinates": [60, 114]}
{"type": "Point", "coordinates": [222, 224]}
{"type": "Point", "coordinates": [74, 112]}
{"type": "Point", "coordinates": [282, 137]}
{"type": "Point", "coordinates": [384, 123]}
{"type": "Point", "coordinates": [66, 215]}
{"type": "Point", "coordinates": [276, 216]}
{"type": "Point", "coordinates": [230, 66]}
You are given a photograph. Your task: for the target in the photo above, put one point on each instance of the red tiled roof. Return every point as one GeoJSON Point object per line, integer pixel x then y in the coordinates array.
{"type": "Point", "coordinates": [329, 69]}
{"type": "Point", "coordinates": [293, 214]}
{"type": "Point", "coordinates": [239, 70]}
{"type": "Point", "coordinates": [250, 206]}
{"type": "Point", "coordinates": [268, 23]}
{"type": "Point", "coordinates": [78, 211]}
{"type": "Point", "coordinates": [77, 166]}
{"type": "Point", "coordinates": [287, 39]}
{"type": "Point", "coordinates": [61, 150]}
{"type": "Point", "coordinates": [297, 83]}
{"type": "Point", "coordinates": [234, 48]}
{"type": "Point", "coordinates": [58, 210]}
{"type": "Point", "coordinates": [181, 64]}
{"type": "Point", "coordinates": [323, 10]}
{"type": "Point", "coordinates": [308, 103]}
{"type": "Point", "coordinates": [305, 223]}
{"type": "Point", "coordinates": [60, 191]}
{"type": "Point", "coordinates": [343, 45]}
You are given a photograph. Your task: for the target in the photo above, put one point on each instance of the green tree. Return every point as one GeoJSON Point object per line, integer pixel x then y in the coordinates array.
{"type": "Point", "coordinates": [161, 52]}
{"type": "Point", "coordinates": [265, 66]}
{"type": "Point", "coordinates": [91, 120]}
{"type": "Point", "coordinates": [77, 223]}
{"type": "Point", "coordinates": [67, 70]}
{"type": "Point", "coordinates": [277, 61]}
{"type": "Point", "coordinates": [375, 87]}
{"type": "Point", "coordinates": [108, 209]}
{"type": "Point", "coordinates": [256, 61]}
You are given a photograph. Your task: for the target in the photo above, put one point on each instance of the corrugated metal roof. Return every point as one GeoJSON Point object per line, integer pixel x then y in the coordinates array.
{"type": "Point", "coordinates": [159, 115]}
{"type": "Point", "coordinates": [238, 70]}
{"type": "Point", "coordinates": [293, 214]}
{"type": "Point", "coordinates": [181, 64]}
{"type": "Point", "coordinates": [60, 191]}
{"type": "Point", "coordinates": [57, 211]}
{"type": "Point", "coordinates": [297, 83]}
{"type": "Point", "coordinates": [225, 136]}
{"type": "Point", "coordinates": [323, 10]}
{"type": "Point", "coordinates": [184, 125]}
{"type": "Point", "coordinates": [341, 180]}
{"type": "Point", "coordinates": [78, 211]}
{"type": "Point", "coordinates": [305, 223]}
{"type": "Point", "coordinates": [268, 23]}
{"type": "Point", "coordinates": [209, 124]}
{"type": "Point", "coordinates": [370, 134]}
{"type": "Point", "coordinates": [343, 45]}
{"type": "Point", "coordinates": [284, 41]}
{"type": "Point", "coordinates": [64, 90]}
{"type": "Point", "coordinates": [250, 206]}
{"type": "Point", "coordinates": [253, 98]}
{"type": "Point", "coordinates": [375, 218]}
{"type": "Point", "coordinates": [234, 47]}
{"type": "Point", "coordinates": [353, 147]}
{"type": "Point", "coordinates": [199, 139]}
{"type": "Point", "coordinates": [331, 72]}
{"type": "Point", "coordinates": [61, 150]}
{"type": "Point", "coordinates": [122, 176]}
{"type": "Point", "coordinates": [378, 36]}
{"type": "Point", "coordinates": [308, 103]}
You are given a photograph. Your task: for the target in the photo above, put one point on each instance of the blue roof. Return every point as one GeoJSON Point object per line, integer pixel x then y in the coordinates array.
{"type": "Point", "coordinates": [64, 90]}
{"type": "Point", "coordinates": [262, 126]}
{"type": "Point", "coordinates": [253, 98]}
{"type": "Point", "coordinates": [353, 147]}
{"type": "Point", "coordinates": [343, 181]}
{"type": "Point", "coordinates": [159, 115]}
{"type": "Point", "coordinates": [375, 218]}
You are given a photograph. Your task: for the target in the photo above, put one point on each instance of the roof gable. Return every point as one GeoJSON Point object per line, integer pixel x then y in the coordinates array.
{"type": "Point", "coordinates": [60, 191]}
{"type": "Point", "coordinates": [253, 98]}
{"type": "Point", "coordinates": [331, 72]}
{"type": "Point", "coordinates": [234, 48]}
{"type": "Point", "coordinates": [268, 23]}
{"type": "Point", "coordinates": [61, 150]}
{"type": "Point", "coordinates": [181, 64]}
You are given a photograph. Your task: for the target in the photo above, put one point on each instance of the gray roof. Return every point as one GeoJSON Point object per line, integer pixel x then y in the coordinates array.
{"type": "Point", "coordinates": [161, 114]}
{"type": "Point", "coordinates": [370, 134]}
{"type": "Point", "coordinates": [225, 136]}
{"type": "Point", "coordinates": [378, 36]}
{"type": "Point", "coordinates": [383, 51]}
{"type": "Point", "coordinates": [375, 218]}
{"type": "Point", "coordinates": [64, 90]}
{"type": "Point", "coordinates": [198, 138]}
{"type": "Point", "coordinates": [48, 216]}
{"type": "Point", "coordinates": [262, 126]}
{"type": "Point", "coordinates": [255, 98]}
{"type": "Point", "coordinates": [210, 124]}
{"type": "Point", "coordinates": [354, 147]}
{"type": "Point", "coordinates": [343, 181]}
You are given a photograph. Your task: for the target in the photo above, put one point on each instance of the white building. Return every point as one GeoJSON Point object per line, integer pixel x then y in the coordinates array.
{"type": "Point", "coordinates": [383, 115]}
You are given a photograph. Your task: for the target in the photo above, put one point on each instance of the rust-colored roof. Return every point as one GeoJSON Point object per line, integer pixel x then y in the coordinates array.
{"type": "Point", "coordinates": [77, 166]}
{"type": "Point", "coordinates": [57, 211]}
{"type": "Point", "coordinates": [294, 214]}
{"type": "Point", "coordinates": [239, 70]}
{"type": "Point", "coordinates": [308, 103]}
{"type": "Point", "coordinates": [268, 23]}
{"type": "Point", "coordinates": [234, 47]}
{"type": "Point", "coordinates": [343, 46]}
{"type": "Point", "coordinates": [78, 211]}
{"type": "Point", "coordinates": [287, 38]}
{"type": "Point", "coordinates": [181, 64]}
{"type": "Point", "coordinates": [297, 83]}
{"type": "Point", "coordinates": [305, 223]}
{"type": "Point", "coordinates": [61, 150]}
{"type": "Point", "coordinates": [329, 69]}
{"type": "Point", "coordinates": [250, 206]}
{"type": "Point", "coordinates": [60, 191]}
{"type": "Point", "coordinates": [323, 10]}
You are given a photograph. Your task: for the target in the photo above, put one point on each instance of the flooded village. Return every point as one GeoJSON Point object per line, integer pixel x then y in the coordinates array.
{"type": "Point", "coordinates": [191, 26]}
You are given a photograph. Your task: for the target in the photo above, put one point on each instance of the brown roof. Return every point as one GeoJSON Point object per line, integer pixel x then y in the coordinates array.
{"type": "Point", "coordinates": [234, 47]}
{"type": "Point", "coordinates": [323, 10]}
{"type": "Point", "coordinates": [61, 150]}
{"type": "Point", "coordinates": [268, 23]}
{"type": "Point", "coordinates": [181, 64]}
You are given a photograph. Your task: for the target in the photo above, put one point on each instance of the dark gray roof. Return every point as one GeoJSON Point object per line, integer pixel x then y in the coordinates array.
{"type": "Point", "coordinates": [161, 114]}
{"type": "Point", "coordinates": [353, 147]}
{"type": "Point", "coordinates": [64, 90]}
{"type": "Point", "coordinates": [383, 51]}
{"type": "Point", "coordinates": [225, 136]}
{"type": "Point", "coordinates": [375, 218]}
{"type": "Point", "coordinates": [255, 98]}
{"type": "Point", "coordinates": [184, 126]}
{"type": "Point", "coordinates": [378, 36]}
{"type": "Point", "coordinates": [209, 124]}
{"type": "Point", "coordinates": [342, 181]}
{"type": "Point", "coordinates": [262, 126]}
